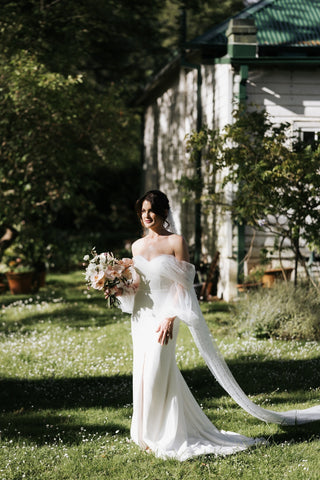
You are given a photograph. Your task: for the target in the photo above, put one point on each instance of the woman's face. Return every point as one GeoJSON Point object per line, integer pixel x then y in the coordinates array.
{"type": "Point", "coordinates": [148, 217]}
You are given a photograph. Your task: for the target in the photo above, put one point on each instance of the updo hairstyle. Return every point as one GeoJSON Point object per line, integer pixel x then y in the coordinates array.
{"type": "Point", "coordinates": [159, 203]}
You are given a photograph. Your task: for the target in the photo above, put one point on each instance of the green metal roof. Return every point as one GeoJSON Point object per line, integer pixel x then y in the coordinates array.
{"type": "Point", "coordinates": [293, 23]}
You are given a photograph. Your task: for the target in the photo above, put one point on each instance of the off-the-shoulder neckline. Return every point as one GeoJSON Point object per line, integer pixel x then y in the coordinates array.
{"type": "Point", "coordinates": [161, 255]}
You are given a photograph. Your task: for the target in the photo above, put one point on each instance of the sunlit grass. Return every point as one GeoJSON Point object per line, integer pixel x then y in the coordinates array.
{"type": "Point", "coordinates": [66, 399]}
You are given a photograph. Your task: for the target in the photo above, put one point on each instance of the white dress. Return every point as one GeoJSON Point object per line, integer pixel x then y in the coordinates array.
{"type": "Point", "coordinates": [166, 417]}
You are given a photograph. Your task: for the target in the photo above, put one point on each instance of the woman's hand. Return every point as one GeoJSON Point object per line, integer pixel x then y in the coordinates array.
{"type": "Point", "coordinates": [165, 328]}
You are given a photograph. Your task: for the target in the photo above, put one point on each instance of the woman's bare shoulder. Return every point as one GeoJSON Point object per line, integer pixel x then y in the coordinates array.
{"type": "Point", "coordinates": [137, 246]}
{"type": "Point", "coordinates": [179, 246]}
{"type": "Point", "coordinates": [176, 239]}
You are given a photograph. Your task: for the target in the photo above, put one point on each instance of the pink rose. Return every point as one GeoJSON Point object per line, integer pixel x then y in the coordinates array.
{"type": "Point", "coordinates": [134, 283]}
{"type": "Point", "coordinates": [126, 262]}
{"type": "Point", "coordinates": [111, 272]}
{"type": "Point", "coordinates": [127, 273]}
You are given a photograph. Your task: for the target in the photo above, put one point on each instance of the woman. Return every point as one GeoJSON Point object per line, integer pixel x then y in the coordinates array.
{"type": "Point", "coordinates": [166, 418]}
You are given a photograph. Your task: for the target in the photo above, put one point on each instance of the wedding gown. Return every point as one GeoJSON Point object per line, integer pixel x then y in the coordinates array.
{"type": "Point", "coordinates": [166, 417]}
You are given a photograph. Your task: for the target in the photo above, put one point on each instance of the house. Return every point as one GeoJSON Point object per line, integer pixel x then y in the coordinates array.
{"type": "Point", "coordinates": [267, 55]}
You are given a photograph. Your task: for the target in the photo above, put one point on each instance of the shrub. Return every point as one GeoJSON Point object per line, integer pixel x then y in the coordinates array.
{"type": "Point", "coordinates": [285, 312]}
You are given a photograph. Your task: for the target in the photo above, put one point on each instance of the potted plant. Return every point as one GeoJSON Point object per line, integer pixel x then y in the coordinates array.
{"type": "Point", "coordinates": [18, 269]}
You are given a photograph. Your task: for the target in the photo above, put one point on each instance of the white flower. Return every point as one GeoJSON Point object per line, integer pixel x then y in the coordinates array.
{"type": "Point", "coordinates": [97, 281]}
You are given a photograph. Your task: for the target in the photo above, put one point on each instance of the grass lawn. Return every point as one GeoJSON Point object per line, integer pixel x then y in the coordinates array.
{"type": "Point", "coordinates": [65, 394]}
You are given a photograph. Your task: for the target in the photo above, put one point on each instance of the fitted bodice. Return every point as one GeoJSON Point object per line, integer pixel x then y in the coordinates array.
{"type": "Point", "coordinates": [155, 283]}
{"type": "Point", "coordinates": [153, 273]}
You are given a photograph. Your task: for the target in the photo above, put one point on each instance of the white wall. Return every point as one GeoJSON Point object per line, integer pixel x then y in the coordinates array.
{"type": "Point", "coordinates": [288, 95]}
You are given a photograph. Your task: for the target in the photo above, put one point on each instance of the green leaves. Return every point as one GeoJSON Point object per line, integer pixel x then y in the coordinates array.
{"type": "Point", "coordinates": [275, 176]}
{"type": "Point", "coordinates": [57, 134]}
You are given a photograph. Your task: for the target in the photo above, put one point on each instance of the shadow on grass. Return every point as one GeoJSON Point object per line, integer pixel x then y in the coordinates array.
{"type": "Point", "coordinates": [297, 434]}
{"type": "Point", "coordinates": [260, 377]}
{"type": "Point", "coordinates": [25, 403]}
{"type": "Point", "coordinates": [65, 393]}
{"type": "Point", "coordinates": [281, 380]}
{"type": "Point", "coordinates": [30, 408]}
{"type": "Point", "coordinates": [43, 428]}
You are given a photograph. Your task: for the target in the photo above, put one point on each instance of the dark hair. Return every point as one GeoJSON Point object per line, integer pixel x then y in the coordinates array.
{"type": "Point", "coordinates": [159, 203]}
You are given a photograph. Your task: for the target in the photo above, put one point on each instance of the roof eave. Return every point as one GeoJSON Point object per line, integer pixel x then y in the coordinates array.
{"type": "Point", "coordinates": [158, 80]}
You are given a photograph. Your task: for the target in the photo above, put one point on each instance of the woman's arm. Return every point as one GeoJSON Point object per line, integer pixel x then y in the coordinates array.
{"type": "Point", "coordinates": [180, 248]}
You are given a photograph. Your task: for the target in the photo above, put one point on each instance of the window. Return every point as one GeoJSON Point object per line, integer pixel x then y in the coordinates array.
{"type": "Point", "coordinates": [309, 137]}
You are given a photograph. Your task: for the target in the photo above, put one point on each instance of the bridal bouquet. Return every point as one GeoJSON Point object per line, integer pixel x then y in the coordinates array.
{"type": "Point", "coordinates": [113, 276]}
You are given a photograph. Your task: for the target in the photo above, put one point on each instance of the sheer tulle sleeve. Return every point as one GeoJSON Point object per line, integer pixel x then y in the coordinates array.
{"type": "Point", "coordinates": [181, 300]}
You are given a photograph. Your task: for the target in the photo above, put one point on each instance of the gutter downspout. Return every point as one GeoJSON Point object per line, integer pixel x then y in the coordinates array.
{"type": "Point", "coordinates": [198, 207]}
{"type": "Point", "coordinates": [241, 227]}
{"type": "Point", "coordinates": [242, 46]}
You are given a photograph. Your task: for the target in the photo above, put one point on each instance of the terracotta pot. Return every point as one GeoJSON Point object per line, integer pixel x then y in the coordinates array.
{"type": "Point", "coordinates": [20, 282]}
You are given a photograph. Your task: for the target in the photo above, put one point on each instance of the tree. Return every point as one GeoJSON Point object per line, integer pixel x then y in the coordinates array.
{"type": "Point", "coordinates": [200, 16]}
{"type": "Point", "coordinates": [276, 178]}
{"type": "Point", "coordinates": [56, 132]}
{"type": "Point", "coordinates": [108, 40]}
{"type": "Point", "coordinates": [121, 41]}
{"type": "Point", "coordinates": [67, 72]}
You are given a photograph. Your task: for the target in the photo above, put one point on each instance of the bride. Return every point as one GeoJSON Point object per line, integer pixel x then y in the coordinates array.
{"type": "Point", "coordinates": [166, 418]}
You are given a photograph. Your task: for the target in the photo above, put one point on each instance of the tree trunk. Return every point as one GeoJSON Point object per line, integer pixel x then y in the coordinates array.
{"type": "Point", "coordinates": [296, 249]}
